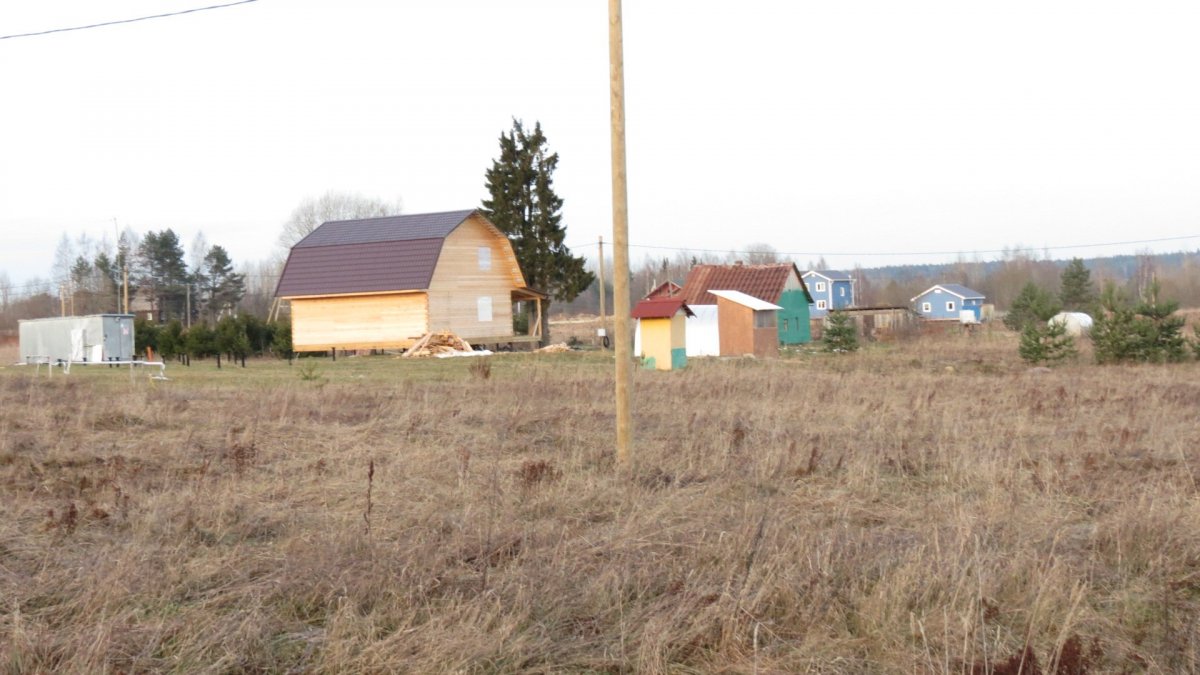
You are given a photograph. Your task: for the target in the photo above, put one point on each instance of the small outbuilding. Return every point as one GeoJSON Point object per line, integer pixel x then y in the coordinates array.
{"type": "Point", "coordinates": [877, 324]}
{"type": "Point", "coordinates": [662, 324]}
{"type": "Point", "coordinates": [94, 338]}
{"type": "Point", "coordinates": [746, 324]}
{"type": "Point", "coordinates": [779, 284]}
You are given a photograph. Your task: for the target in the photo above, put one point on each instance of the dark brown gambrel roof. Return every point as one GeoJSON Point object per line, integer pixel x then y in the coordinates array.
{"type": "Point", "coordinates": [765, 282]}
{"type": "Point", "coordinates": [394, 253]}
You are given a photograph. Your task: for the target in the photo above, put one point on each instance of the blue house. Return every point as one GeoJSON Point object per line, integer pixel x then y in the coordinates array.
{"type": "Point", "coordinates": [830, 290]}
{"type": "Point", "coordinates": [949, 301]}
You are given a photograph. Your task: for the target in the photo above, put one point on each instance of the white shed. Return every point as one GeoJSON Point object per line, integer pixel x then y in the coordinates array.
{"type": "Point", "coordinates": [94, 338]}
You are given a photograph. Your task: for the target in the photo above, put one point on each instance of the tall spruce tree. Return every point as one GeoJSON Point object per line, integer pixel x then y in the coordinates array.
{"type": "Point", "coordinates": [221, 288]}
{"type": "Point", "coordinates": [523, 205]}
{"type": "Point", "coordinates": [1078, 292]}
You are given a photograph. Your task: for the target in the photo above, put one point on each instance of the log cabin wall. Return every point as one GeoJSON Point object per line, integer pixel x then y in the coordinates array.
{"type": "Point", "coordinates": [378, 321]}
{"type": "Point", "coordinates": [470, 293]}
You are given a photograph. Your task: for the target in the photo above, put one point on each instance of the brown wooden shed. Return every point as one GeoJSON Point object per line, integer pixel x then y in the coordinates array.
{"type": "Point", "coordinates": [384, 282]}
{"type": "Point", "coordinates": [746, 325]}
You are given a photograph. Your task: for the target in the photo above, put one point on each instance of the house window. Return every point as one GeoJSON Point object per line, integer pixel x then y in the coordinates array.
{"type": "Point", "coordinates": [484, 305]}
{"type": "Point", "coordinates": [821, 304]}
{"type": "Point", "coordinates": [485, 258]}
{"type": "Point", "coordinates": [820, 286]}
{"type": "Point", "coordinates": [841, 291]}
{"type": "Point", "coordinates": [926, 307]}
{"type": "Point", "coordinates": [949, 305]}
{"type": "Point", "coordinates": [785, 325]}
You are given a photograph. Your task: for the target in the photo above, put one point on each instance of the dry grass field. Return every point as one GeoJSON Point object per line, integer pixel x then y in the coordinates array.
{"type": "Point", "coordinates": [926, 507]}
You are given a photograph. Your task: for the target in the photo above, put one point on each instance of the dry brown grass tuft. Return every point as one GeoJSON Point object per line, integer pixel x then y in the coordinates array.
{"type": "Point", "coordinates": [923, 507]}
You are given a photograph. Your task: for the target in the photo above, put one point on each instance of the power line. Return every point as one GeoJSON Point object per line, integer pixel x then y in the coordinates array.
{"type": "Point", "coordinates": [120, 21]}
{"type": "Point", "coordinates": [915, 253]}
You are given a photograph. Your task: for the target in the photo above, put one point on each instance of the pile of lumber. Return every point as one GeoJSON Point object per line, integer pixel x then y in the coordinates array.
{"type": "Point", "coordinates": [434, 344]}
{"type": "Point", "coordinates": [555, 348]}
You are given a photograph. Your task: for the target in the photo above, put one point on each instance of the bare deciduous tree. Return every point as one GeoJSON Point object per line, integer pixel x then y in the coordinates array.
{"type": "Point", "coordinates": [331, 206]}
{"type": "Point", "coordinates": [761, 254]}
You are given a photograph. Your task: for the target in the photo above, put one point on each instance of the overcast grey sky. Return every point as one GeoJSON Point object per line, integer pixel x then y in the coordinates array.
{"type": "Point", "coordinates": [845, 129]}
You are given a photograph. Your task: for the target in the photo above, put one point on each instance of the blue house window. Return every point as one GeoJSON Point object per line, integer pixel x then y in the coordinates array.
{"type": "Point", "coordinates": [949, 305]}
{"type": "Point", "coordinates": [820, 286]}
{"type": "Point", "coordinates": [926, 307]}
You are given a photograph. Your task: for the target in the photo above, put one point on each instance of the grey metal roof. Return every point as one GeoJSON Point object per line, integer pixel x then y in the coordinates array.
{"type": "Point", "coordinates": [954, 289]}
{"type": "Point", "coordinates": [388, 228]}
{"type": "Point", "coordinates": [394, 253]}
{"type": "Point", "coordinates": [962, 291]}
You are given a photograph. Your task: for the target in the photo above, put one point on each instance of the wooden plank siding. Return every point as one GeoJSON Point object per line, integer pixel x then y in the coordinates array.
{"type": "Point", "coordinates": [459, 281]}
{"type": "Point", "coordinates": [376, 321]}
{"type": "Point", "coordinates": [740, 336]}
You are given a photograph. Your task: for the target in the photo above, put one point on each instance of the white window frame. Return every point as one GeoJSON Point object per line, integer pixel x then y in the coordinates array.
{"type": "Point", "coordinates": [841, 291]}
{"type": "Point", "coordinates": [483, 308]}
{"type": "Point", "coordinates": [822, 305]}
{"type": "Point", "coordinates": [485, 258]}
{"type": "Point", "coordinates": [820, 286]}
{"type": "Point", "coordinates": [926, 307]}
{"type": "Point", "coordinates": [949, 305]}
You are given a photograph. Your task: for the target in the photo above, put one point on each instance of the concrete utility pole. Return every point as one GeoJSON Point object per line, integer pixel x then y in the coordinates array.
{"type": "Point", "coordinates": [603, 321]}
{"type": "Point", "coordinates": [624, 342]}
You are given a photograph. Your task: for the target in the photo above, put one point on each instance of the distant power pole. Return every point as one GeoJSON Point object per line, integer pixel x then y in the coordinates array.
{"type": "Point", "coordinates": [624, 347]}
{"type": "Point", "coordinates": [117, 243]}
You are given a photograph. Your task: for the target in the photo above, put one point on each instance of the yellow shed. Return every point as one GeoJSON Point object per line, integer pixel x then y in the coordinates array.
{"type": "Point", "coordinates": [662, 322]}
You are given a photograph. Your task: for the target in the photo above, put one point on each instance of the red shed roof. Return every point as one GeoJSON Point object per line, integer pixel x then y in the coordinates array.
{"type": "Point", "coordinates": [765, 282]}
{"type": "Point", "coordinates": [660, 308]}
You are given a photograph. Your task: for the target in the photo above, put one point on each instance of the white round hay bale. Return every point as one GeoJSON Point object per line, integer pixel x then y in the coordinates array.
{"type": "Point", "coordinates": [1077, 323]}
